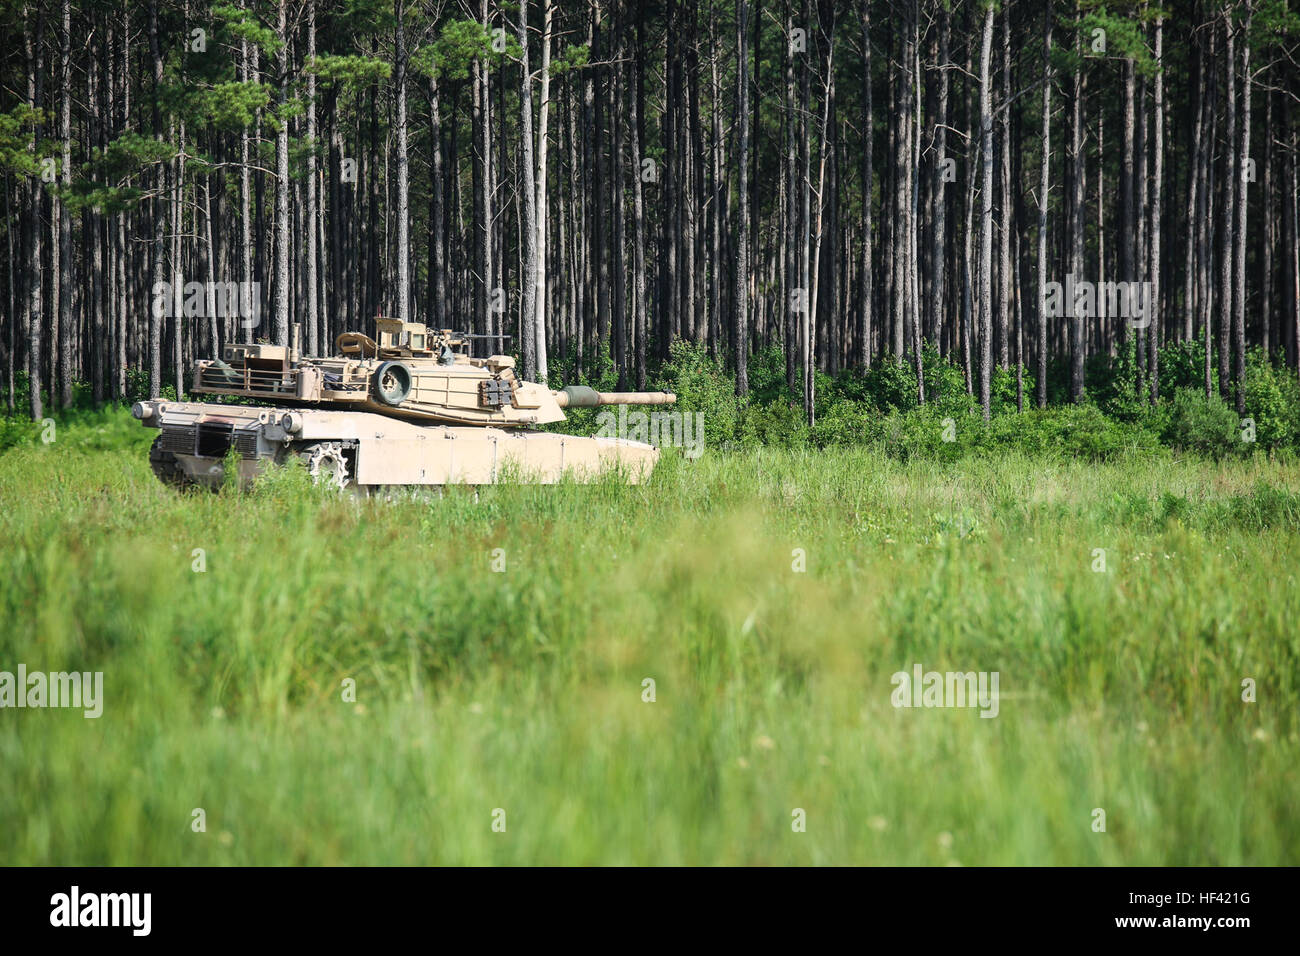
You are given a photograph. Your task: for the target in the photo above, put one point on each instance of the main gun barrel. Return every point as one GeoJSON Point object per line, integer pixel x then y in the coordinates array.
{"type": "Point", "coordinates": [580, 396]}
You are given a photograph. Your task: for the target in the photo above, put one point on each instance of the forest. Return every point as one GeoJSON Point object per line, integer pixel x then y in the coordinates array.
{"type": "Point", "coordinates": [1033, 194]}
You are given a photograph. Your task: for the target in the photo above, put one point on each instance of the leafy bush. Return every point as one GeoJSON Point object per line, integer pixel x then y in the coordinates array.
{"type": "Point", "coordinates": [891, 385]}
{"type": "Point", "coordinates": [767, 377]}
{"type": "Point", "coordinates": [1002, 390]}
{"type": "Point", "coordinates": [137, 386]}
{"type": "Point", "coordinates": [1182, 365]}
{"type": "Point", "coordinates": [93, 430]}
{"type": "Point", "coordinates": [18, 431]}
{"type": "Point", "coordinates": [845, 423]}
{"type": "Point", "coordinates": [1273, 401]}
{"type": "Point", "coordinates": [779, 423]}
{"type": "Point", "coordinates": [945, 384]}
{"type": "Point", "coordinates": [925, 433]}
{"type": "Point", "coordinates": [1112, 383]}
{"type": "Point", "coordinates": [701, 385]}
{"type": "Point", "coordinates": [1076, 431]}
{"type": "Point", "coordinates": [1205, 425]}
{"type": "Point", "coordinates": [598, 370]}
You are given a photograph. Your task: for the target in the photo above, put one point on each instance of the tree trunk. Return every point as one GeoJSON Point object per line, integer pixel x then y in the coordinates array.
{"type": "Point", "coordinates": [1128, 193]}
{"type": "Point", "coordinates": [914, 181]}
{"type": "Point", "coordinates": [403, 169]}
{"type": "Point", "coordinates": [1157, 182]}
{"type": "Point", "coordinates": [864, 250]}
{"type": "Point", "coordinates": [528, 228]}
{"type": "Point", "coordinates": [437, 304]}
{"type": "Point", "coordinates": [1193, 186]}
{"type": "Point", "coordinates": [619, 344]}
{"type": "Point", "coordinates": [248, 300]}
{"type": "Point", "coordinates": [32, 257]}
{"type": "Point", "coordinates": [986, 216]}
{"type": "Point", "coordinates": [1077, 160]}
{"type": "Point", "coordinates": [1044, 186]}
{"type": "Point", "coordinates": [65, 220]}
{"type": "Point", "coordinates": [483, 188]}
{"type": "Point", "coordinates": [539, 185]}
{"type": "Point", "coordinates": [640, 321]}
{"type": "Point", "coordinates": [939, 189]}
{"type": "Point", "coordinates": [1231, 179]}
{"type": "Point", "coordinates": [1240, 175]}
{"type": "Point", "coordinates": [1204, 232]}
{"type": "Point", "coordinates": [282, 188]}
{"type": "Point", "coordinates": [159, 261]}
{"type": "Point", "coordinates": [1004, 186]}
{"type": "Point", "coordinates": [741, 303]}
{"type": "Point", "coordinates": [312, 316]}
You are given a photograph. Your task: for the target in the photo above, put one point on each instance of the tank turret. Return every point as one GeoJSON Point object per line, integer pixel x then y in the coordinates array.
{"type": "Point", "coordinates": [410, 372]}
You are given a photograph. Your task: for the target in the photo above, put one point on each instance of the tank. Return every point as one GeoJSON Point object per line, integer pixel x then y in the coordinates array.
{"type": "Point", "coordinates": [411, 408]}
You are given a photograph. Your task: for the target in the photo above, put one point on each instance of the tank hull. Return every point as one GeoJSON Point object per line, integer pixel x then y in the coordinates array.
{"type": "Point", "coordinates": [366, 450]}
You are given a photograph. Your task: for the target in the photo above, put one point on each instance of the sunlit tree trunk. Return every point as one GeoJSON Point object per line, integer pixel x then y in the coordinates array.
{"type": "Point", "coordinates": [539, 185]}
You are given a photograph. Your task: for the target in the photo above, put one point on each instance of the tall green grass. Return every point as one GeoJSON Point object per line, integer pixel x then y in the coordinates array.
{"type": "Point", "coordinates": [523, 690]}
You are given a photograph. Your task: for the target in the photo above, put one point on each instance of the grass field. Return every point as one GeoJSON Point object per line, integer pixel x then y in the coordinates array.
{"type": "Point", "coordinates": [522, 690]}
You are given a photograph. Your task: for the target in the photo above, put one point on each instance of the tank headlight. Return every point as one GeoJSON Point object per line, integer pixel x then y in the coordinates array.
{"type": "Point", "coordinates": [291, 423]}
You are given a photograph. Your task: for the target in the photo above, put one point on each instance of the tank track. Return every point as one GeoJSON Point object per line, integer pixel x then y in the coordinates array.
{"type": "Point", "coordinates": [164, 465]}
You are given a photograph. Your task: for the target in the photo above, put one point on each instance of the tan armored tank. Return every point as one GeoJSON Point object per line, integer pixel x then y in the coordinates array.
{"type": "Point", "coordinates": [412, 408]}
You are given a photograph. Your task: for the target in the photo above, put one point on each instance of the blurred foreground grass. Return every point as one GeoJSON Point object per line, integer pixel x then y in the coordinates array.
{"type": "Point", "coordinates": [523, 690]}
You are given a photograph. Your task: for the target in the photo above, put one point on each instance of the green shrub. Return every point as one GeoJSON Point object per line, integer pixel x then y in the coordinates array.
{"type": "Point", "coordinates": [891, 385]}
{"type": "Point", "coordinates": [924, 433]}
{"type": "Point", "coordinates": [845, 423]}
{"type": "Point", "coordinates": [779, 423]}
{"type": "Point", "coordinates": [767, 377]}
{"type": "Point", "coordinates": [1273, 401]}
{"type": "Point", "coordinates": [1075, 431]}
{"type": "Point", "coordinates": [1182, 365]}
{"type": "Point", "coordinates": [86, 429]}
{"type": "Point", "coordinates": [18, 431]}
{"type": "Point", "coordinates": [945, 385]}
{"type": "Point", "coordinates": [701, 385]}
{"type": "Point", "coordinates": [1205, 425]}
{"type": "Point", "coordinates": [1002, 390]}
